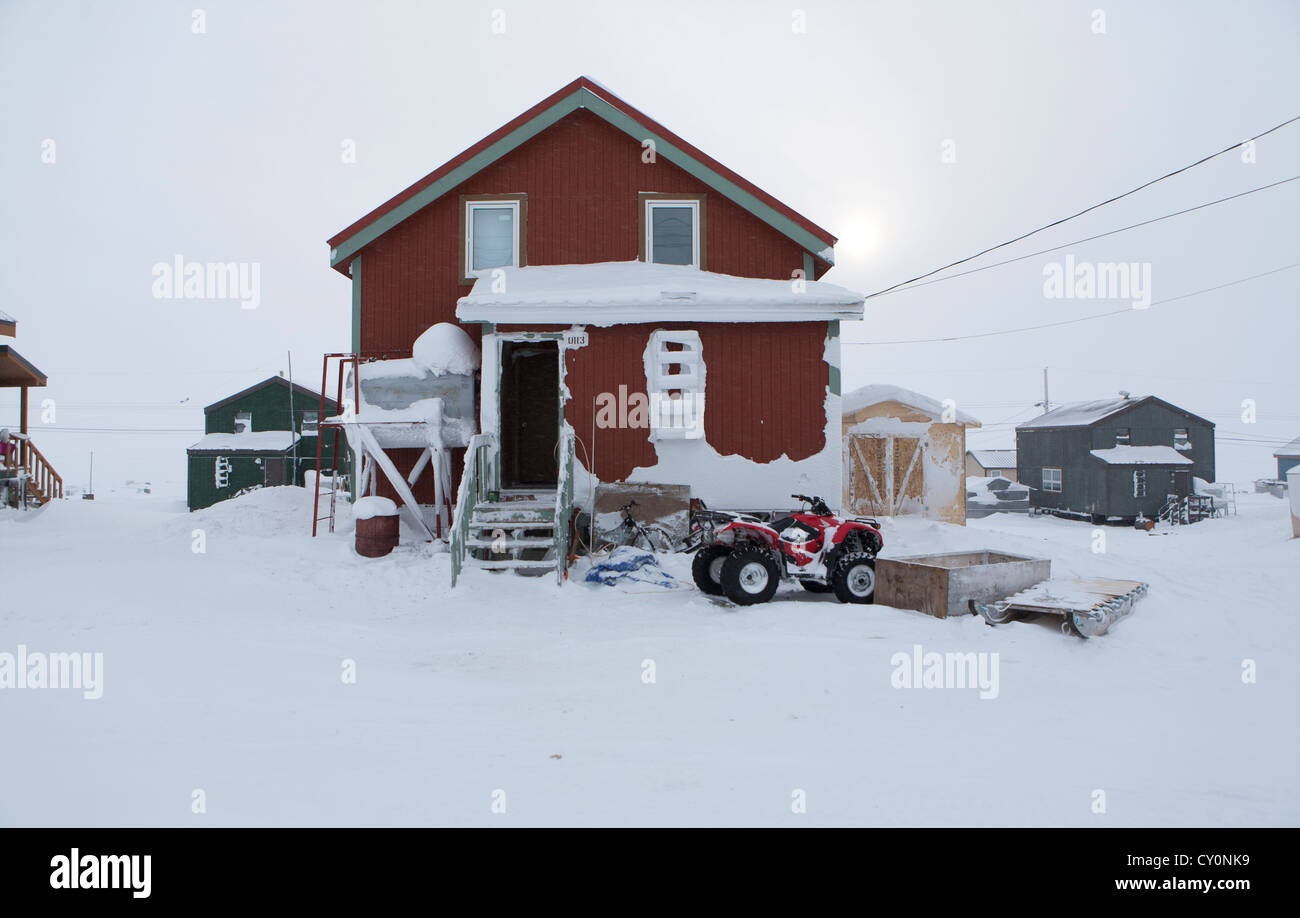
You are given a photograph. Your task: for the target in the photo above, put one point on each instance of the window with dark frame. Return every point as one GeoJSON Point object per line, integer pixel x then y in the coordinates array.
{"type": "Point", "coordinates": [1121, 436]}
{"type": "Point", "coordinates": [1139, 483]}
{"type": "Point", "coordinates": [1052, 479]}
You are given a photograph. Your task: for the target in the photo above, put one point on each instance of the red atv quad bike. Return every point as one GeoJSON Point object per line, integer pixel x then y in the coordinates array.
{"type": "Point", "coordinates": [748, 559]}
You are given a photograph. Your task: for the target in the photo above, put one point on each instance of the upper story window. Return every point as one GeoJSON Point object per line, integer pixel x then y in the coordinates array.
{"type": "Point", "coordinates": [494, 233]}
{"type": "Point", "coordinates": [310, 422]}
{"type": "Point", "coordinates": [1181, 440]}
{"type": "Point", "coordinates": [1121, 436]}
{"type": "Point", "coordinates": [672, 229]}
{"type": "Point", "coordinates": [243, 422]}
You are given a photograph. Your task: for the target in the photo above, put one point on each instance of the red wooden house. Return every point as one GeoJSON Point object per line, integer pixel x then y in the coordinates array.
{"type": "Point", "coordinates": [637, 303]}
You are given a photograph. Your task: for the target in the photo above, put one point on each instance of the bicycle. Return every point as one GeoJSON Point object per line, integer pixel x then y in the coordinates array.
{"type": "Point", "coordinates": [636, 534]}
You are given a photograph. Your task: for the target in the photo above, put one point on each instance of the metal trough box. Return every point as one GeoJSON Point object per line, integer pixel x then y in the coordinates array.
{"type": "Point", "coordinates": [944, 584]}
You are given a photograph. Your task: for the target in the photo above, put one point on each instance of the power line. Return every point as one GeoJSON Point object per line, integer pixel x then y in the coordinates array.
{"type": "Point", "coordinates": [151, 430]}
{"type": "Point", "coordinates": [1111, 200]}
{"type": "Point", "coordinates": [1096, 315]}
{"type": "Point", "coordinates": [1066, 245]}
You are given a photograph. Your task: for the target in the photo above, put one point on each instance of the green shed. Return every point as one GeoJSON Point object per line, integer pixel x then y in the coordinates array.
{"type": "Point", "coordinates": [260, 437]}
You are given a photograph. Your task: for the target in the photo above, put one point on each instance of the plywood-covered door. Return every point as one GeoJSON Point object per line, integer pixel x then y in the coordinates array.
{"type": "Point", "coordinates": [887, 475]}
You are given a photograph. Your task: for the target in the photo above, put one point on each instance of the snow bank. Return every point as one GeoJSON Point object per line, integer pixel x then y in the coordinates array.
{"type": "Point", "coordinates": [445, 348]}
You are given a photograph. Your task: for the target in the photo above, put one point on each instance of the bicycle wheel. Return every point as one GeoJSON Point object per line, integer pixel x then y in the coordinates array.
{"type": "Point", "coordinates": [655, 538]}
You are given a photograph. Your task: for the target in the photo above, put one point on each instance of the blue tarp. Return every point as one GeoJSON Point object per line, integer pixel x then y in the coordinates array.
{"type": "Point", "coordinates": [627, 565]}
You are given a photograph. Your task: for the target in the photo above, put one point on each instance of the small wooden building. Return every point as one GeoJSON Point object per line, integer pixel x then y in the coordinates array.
{"type": "Point", "coordinates": [903, 455]}
{"type": "Point", "coordinates": [25, 474]}
{"type": "Point", "coordinates": [262, 436]}
{"type": "Point", "coordinates": [1121, 457]}
{"type": "Point", "coordinates": [991, 463]}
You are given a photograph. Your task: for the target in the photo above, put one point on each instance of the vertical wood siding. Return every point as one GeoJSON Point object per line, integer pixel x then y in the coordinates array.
{"type": "Point", "coordinates": [582, 177]}
{"type": "Point", "coordinates": [765, 391]}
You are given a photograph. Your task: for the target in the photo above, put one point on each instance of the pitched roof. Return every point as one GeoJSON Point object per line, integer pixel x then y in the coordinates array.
{"type": "Point", "coordinates": [8, 324]}
{"type": "Point", "coordinates": [621, 292]}
{"type": "Point", "coordinates": [299, 390]}
{"type": "Point", "coordinates": [1141, 455]}
{"type": "Point", "coordinates": [583, 92]}
{"type": "Point", "coordinates": [1290, 450]}
{"type": "Point", "coordinates": [866, 396]}
{"type": "Point", "coordinates": [995, 458]}
{"type": "Point", "coordinates": [16, 370]}
{"type": "Point", "coordinates": [1085, 414]}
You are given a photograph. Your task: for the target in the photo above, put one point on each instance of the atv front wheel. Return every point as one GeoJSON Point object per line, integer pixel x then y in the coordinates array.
{"type": "Point", "coordinates": [854, 578]}
{"type": "Point", "coordinates": [706, 568]}
{"type": "Point", "coordinates": [749, 575]}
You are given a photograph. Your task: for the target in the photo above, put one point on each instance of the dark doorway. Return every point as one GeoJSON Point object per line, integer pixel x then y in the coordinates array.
{"type": "Point", "coordinates": [273, 471]}
{"type": "Point", "coordinates": [1182, 483]}
{"type": "Point", "coordinates": [530, 413]}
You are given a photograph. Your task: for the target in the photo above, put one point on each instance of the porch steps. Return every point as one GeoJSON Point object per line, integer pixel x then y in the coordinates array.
{"type": "Point", "coordinates": [512, 533]}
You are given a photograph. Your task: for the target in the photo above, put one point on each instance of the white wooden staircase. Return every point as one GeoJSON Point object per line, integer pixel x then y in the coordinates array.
{"type": "Point", "coordinates": [495, 529]}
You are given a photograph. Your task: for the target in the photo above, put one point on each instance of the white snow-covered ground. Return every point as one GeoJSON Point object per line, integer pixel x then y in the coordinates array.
{"type": "Point", "coordinates": [222, 672]}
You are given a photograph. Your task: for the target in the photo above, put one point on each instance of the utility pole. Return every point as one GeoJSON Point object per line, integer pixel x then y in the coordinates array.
{"type": "Point", "coordinates": [1046, 403]}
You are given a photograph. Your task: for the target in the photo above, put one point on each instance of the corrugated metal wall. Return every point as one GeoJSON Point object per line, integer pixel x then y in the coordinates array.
{"type": "Point", "coordinates": [582, 178]}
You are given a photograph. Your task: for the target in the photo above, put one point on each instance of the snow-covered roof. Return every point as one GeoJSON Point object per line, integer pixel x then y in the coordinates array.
{"type": "Point", "coordinates": [1081, 414]}
{"type": "Point", "coordinates": [1291, 450]}
{"type": "Point", "coordinates": [258, 440]}
{"type": "Point", "coordinates": [995, 458]}
{"type": "Point", "coordinates": [1141, 455]}
{"type": "Point", "coordinates": [866, 396]}
{"type": "Point", "coordinates": [5, 317]}
{"type": "Point", "coordinates": [621, 292]}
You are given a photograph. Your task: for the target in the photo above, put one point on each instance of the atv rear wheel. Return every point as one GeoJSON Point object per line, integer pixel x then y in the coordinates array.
{"type": "Point", "coordinates": [815, 586]}
{"type": "Point", "coordinates": [706, 568]}
{"type": "Point", "coordinates": [854, 578]}
{"type": "Point", "coordinates": [749, 575]}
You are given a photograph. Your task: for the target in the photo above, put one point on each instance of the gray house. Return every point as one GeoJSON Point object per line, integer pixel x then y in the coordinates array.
{"type": "Point", "coordinates": [1121, 457]}
{"type": "Point", "coordinates": [1287, 457]}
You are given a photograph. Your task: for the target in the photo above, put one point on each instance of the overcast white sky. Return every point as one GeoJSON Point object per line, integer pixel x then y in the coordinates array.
{"type": "Point", "coordinates": [225, 146]}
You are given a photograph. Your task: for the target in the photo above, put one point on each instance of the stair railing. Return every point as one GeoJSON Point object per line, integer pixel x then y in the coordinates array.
{"type": "Point", "coordinates": [478, 478]}
{"type": "Point", "coordinates": [563, 504]}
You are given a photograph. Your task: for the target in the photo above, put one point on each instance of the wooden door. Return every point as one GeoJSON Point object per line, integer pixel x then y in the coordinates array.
{"type": "Point", "coordinates": [530, 413]}
{"type": "Point", "coordinates": [886, 475]}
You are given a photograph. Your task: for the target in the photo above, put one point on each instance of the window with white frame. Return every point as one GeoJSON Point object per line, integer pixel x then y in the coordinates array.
{"type": "Point", "coordinates": [1139, 483]}
{"type": "Point", "coordinates": [243, 422]}
{"type": "Point", "coordinates": [1121, 436]}
{"type": "Point", "coordinates": [674, 371]}
{"type": "Point", "coordinates": [1051, 479]}
{"type": "Point", "coordinates": [310, 422]}
{"type": "Point", "coordinates": [672, 231]}
{"type": "Point", "coordinates": [491, 235]}
{"type": "Point", "coordinates": [1181, 440]}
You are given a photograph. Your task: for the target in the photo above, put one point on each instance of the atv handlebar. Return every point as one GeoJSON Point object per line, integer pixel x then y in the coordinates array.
{"type": "Point", "coordinates": [819, 506]}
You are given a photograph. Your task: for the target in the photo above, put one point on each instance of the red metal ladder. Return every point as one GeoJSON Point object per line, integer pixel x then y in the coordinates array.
{"type": "Point", "coordinates": [336, 430]}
